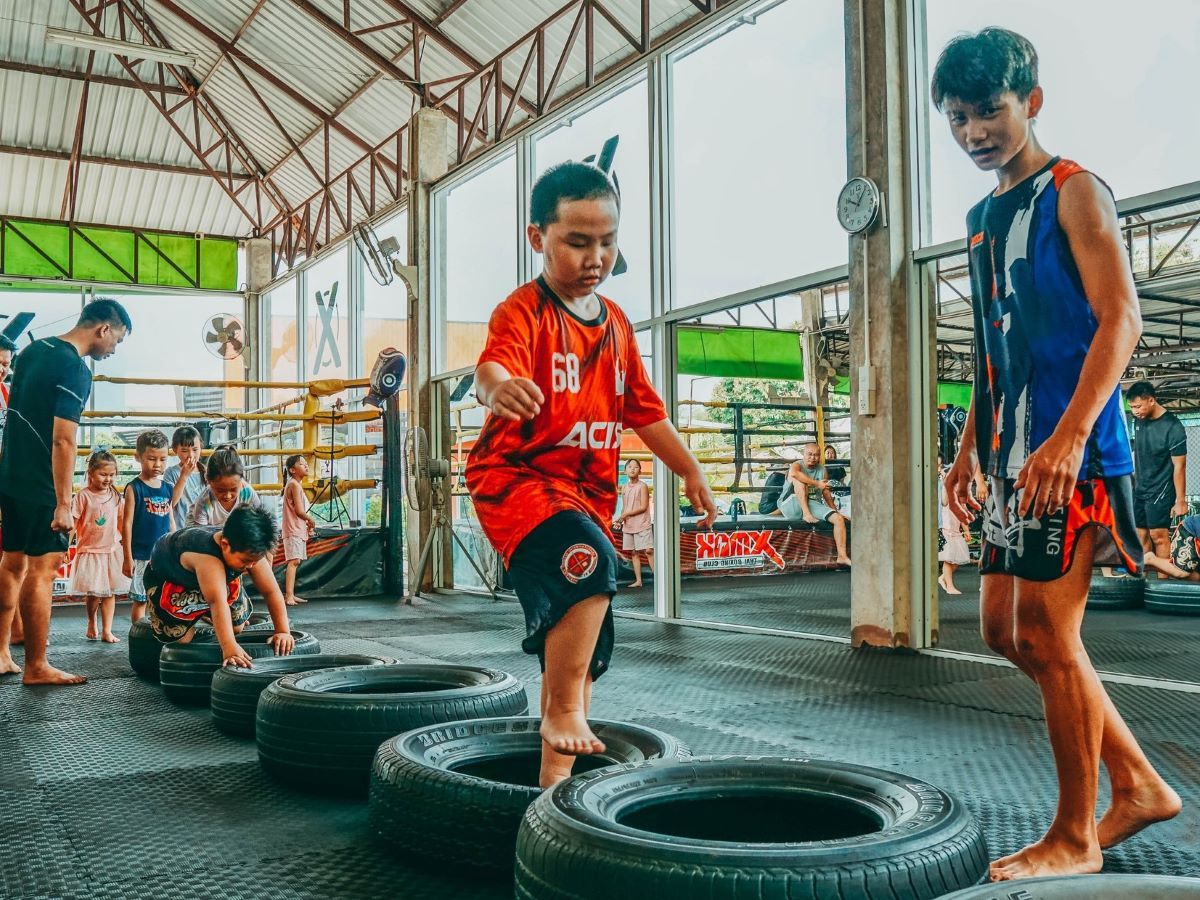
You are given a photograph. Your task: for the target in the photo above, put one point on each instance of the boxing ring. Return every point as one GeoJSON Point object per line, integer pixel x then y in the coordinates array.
{"type": "Point", "coordinates": [345, 556]}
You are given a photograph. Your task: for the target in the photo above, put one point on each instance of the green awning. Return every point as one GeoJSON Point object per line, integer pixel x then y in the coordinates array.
{"type": "Point", "coordinates": [736, 352]}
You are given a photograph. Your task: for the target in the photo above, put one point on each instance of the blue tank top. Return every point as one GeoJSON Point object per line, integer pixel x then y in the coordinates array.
{"type": "Point", "coordinates": [151, 516]}
{"type": "Point", "coordinates": [1033, 328]}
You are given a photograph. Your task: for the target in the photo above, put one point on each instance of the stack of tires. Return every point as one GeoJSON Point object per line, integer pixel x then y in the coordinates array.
{"type": "Point", "coordinates": [186, 671]}
{"type": "Point", "coordinates": [1108, 592]}
{"type": "Point", "coordinates": [1173, 598]}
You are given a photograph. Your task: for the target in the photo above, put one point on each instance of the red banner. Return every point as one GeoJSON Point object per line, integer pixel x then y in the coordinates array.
{"type": "Point", "coordinates": [754, 551]}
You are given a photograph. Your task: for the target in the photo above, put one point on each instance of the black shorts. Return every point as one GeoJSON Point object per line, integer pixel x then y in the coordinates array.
{"type": "Point", "coordinates": [1154, 512]}
{"type": "Point", "coordinates": [174, 610]}
{"type": "Point", "coordinates": [565, 559]}
{"type": "Point", "coordinates": [1044, 549]}
{"type": "Point", "coordinates": [27, 528]}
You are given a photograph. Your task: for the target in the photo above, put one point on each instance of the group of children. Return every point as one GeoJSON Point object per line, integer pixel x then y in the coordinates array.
{"type": "Point", "coordinates": [117, 532]}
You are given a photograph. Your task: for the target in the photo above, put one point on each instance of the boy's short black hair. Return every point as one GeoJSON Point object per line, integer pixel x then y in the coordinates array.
{"type": "Point", "coordinates": [105, 311]}
{"type": "Point", "coordinates": [250, 529]}
{"type": "Point", "coordinates": [152, 439]}
{"type": "Point", "coordinates": [567, 181]}
{"type": "Point", "coordinates": [1141, 390]}
{"type": "Point", "coordinates": [6, 343]}
{"type": "Point", "coordinates": [185, 436]}
{"type": "Point", "coordinates": [974, 68]}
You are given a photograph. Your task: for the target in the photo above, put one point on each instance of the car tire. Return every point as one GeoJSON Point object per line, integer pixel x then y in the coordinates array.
{"type": "Point", "coordinates": [455, 793]}
{"type": "Point", "coordinates": [320, 730]}
{"type": "Point", "coordinates": [186, 670]}
{"type": "Point", "coordinates": [235, 691]}
{"type": "Point", "coordinates": [749, 827]}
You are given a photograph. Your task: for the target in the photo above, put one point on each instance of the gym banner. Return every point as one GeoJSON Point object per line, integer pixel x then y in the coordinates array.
{"type": "Point", "coordinates": [745, 549]}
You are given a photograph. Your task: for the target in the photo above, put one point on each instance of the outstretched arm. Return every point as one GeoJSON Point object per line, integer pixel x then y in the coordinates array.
{"type": "Point", "coordinates": [264, 580]}
{"type": "Point", "coordinates": [664, 442]}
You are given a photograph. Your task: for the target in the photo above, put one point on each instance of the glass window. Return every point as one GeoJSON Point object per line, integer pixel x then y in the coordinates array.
{"type": "Point", "coordinates": [327, 296]}
{"type": "Point", "coordinates": [1111, 77]}
{"type": "Point", "coordinates": [482, 229]}
{"type": "Point", "coordinates": [759, 151]}
{"type": "Point", "coordinates": [283, 360]}
{"type": "Point", "coordinates": [624, 115]}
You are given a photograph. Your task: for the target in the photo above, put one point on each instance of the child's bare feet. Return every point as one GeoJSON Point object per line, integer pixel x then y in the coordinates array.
{"type": "Point", "coordinates": [568, 732]}
{"type": "Point", "coordinates": [552, 771]}
{"type": "Point", "coordinates": [49, 675]}
{"type": "Point", "coordinates": [843, 561]}
{"type": "Point", "coordinates": [635, 584]}
{"type": "Point", "coordinates": [1133, 810]}
{"type": "Point", "coordinates": [91, 631]}
{"type": "Point", "coordinates": [109, 638]}
{"type": "Point", "coordinates": [8, 666]}
{"type": "Point", "coordinates": [1049, 856]}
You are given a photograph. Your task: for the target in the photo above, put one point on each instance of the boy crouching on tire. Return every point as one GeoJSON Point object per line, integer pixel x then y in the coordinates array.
{"type": "Point", "coordinates": [561, 376]}
{"type": "Point", "coordinates": [194, 583]}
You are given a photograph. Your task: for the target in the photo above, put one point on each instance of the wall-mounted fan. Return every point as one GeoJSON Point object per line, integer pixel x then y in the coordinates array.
{"type": "Point", "coordinates": [224, 336]}
{"type": "Point", "coordinates": [376, 254]}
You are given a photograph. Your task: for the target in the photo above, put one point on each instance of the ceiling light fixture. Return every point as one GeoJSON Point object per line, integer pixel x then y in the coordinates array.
{"type": "Point", "coordinates": [119, 48]}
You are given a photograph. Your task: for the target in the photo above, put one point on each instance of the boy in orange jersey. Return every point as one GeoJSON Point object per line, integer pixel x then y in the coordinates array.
{"type": "Point", "coordinates": [562, 376]}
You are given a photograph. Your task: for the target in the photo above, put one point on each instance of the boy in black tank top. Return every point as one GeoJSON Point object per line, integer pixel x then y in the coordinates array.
{"type": "Point", "coordinates": [195, 576]}
{"type": "Point", "coordinates": [1056, 322]}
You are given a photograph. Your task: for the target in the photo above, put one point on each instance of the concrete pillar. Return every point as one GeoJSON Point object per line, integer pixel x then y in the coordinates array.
{"type": "Point", "coordinates": [428, 160]}
{"type": "Point", "coordinates": [891, 343]}
{"type": "Point", "coordinates": [258, 275]}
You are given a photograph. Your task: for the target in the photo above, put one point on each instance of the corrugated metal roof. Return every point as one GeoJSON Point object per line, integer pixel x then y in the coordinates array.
{"type": "Point", "coordinates": [324, 69]}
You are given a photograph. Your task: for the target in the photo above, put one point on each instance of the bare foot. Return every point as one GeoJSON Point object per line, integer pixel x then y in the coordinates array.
{"type": "Point", "coordinates": [1049, 856]}
{"type": "Point", "coordinates": [109, 638]}
{"type": "Point", "coordinates": [549, 776]}
{"type": "Point", "coordinates": [569, 733]}
{"type": "Point", "coordinates": [8, 667]}
{"type": "Point", "coordinates": [91, 631]}
{"type": "Point", "coordinates": [51, 675]}
{"type": "Point", "coordinates": [635, 584]}
{"type": "Point", "coordinates": [1133, 810]}
{"type": "Point", "coordinates": [948, 586]}
{"type": "Point", "coordinates": [843, 561]}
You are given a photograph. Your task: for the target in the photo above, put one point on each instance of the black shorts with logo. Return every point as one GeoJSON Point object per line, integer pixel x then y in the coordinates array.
{"type": "Point", "coordinates": [1044, 549]}
{"type": "Point", "coordinates": [565, 559]}
{"type": "Point", "coordinates": [27, 528]}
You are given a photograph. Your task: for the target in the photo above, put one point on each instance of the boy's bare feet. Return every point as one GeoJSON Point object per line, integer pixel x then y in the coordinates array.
{"type": "Point", "coordinates": [109, 638]}
{"type": "Point", "coordinates": [1133, 810]}
{"type": "Point", "coordinates": [1049, 856]}
{"type": "Point", "coordinates": [568, 732]}
{"type": "Point", "coordinates": [843, 561]}
{"type": "Point", "coordinates": [51, 675]}
{"type": "Point", "coordinates": [8, 666]}
{"type": "Point", "coordinates": [552, 772]}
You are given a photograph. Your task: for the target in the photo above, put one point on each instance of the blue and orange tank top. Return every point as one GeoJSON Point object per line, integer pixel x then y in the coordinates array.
{"type": "Point", "coordinates": [1033, 328]}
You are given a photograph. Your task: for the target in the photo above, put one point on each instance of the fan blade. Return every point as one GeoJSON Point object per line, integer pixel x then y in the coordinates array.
{"type": "Point", "coordinates": [214, 337]}
{"type": "Point", "coordinates": [235, 345]}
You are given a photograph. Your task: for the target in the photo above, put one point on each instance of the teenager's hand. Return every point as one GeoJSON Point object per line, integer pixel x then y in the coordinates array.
{"type": "Point", "coordinates": [62, 519]}
{"type": "Point", "coordinates": [962, 505]}
{"type": "Point", "coordinates": [282, 642]}
{"type": "Point", "coordinates": [701, 498]}
{"type": "Point", "coordinates": [236, 656]}
{"type": "Point", "coordinates": [1180, 508]}
{"type": "Point", "coordinates": [127, 567]}
{"type": "Point", "coordinates": [516, 399]}
{"type": "Point", "coordinates": [1047, 480]}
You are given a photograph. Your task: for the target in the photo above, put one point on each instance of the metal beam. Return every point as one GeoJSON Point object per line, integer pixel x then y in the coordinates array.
{"type": "Point", "coordinates": [9, 65]}
{"type": "Point", "coordinates": [361, 47]}
{"type": "Point", "coordinates": [89, 159]}
{"type": "Point", "coordinates": [71, 189]}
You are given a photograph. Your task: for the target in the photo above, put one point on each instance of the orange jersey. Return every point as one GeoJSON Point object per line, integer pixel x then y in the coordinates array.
{"type": "Point", "coordinates": [591, 375]}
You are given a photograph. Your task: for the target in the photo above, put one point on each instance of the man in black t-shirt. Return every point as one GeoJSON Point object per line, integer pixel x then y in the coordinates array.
{"type": "Point", "coordinates": [1159, 468]}
{"type": "Point", "coordinates": [50, 388]}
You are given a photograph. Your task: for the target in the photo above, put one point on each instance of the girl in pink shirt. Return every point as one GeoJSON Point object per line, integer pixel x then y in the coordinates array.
{"type": "Point", "coordinates": [634, 520]}
{"type": "Point", "coordinates": [97, 511]}
{"type": "Point", "coordinates": [298, 525]}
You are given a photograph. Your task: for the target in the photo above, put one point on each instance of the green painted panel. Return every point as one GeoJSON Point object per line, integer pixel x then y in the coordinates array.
{"type": "Point", "coordinates": [38, 249]}
{"type": "Point", "coordinates": [218, 264]}
{"type": "Point", "coordinates": [88, 253]}
{"type": "Point", "coordinates": [740, 353]}
{"type": "Point", "coordinates": [103, 254]}
{"type": "Point", "coordinates": [166, 259]}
